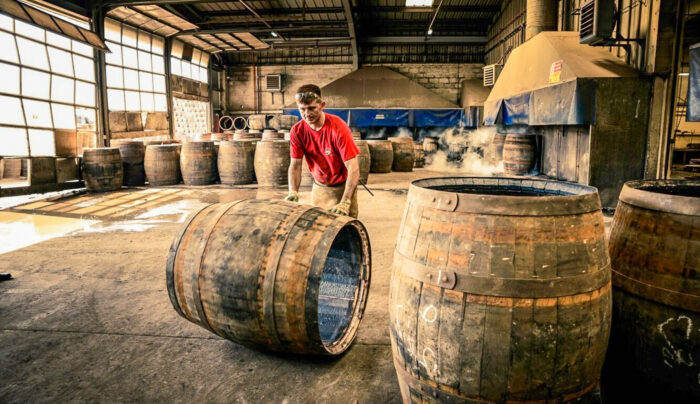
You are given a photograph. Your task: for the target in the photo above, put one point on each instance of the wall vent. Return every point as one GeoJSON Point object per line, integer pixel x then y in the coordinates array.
{"type": "Point", "coordinates": [597, 22]}
{"type": "Point", "coordinates": [491, 73]}
{"type": "Point", "coordinates": [273, 82]}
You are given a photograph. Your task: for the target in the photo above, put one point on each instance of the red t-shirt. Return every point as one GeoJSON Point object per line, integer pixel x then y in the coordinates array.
{"type": "Point", "coordinates": [325, 150]}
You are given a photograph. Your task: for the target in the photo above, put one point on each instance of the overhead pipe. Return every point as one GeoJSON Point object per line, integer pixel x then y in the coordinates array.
{"type": "Point", "coordinates": [542, 15]}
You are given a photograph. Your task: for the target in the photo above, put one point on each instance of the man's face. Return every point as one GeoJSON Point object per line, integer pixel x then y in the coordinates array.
{"type": "Point", "coordinates": [311, 112]}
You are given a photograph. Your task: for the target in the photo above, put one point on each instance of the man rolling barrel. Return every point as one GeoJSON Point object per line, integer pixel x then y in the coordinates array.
{"type": "Point", "coordinates": [326, 142]}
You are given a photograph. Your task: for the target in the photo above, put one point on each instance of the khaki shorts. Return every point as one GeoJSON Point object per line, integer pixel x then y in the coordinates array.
{"type": "Point", "coordinates": [327, 196]}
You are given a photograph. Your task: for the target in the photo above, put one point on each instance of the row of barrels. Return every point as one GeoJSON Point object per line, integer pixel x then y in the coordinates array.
{"type": "Point", "coordinates": [502, 289]}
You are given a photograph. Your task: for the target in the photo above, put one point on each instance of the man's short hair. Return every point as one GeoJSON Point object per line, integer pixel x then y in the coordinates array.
{"type": "Point", "coordinates": [308, 93]}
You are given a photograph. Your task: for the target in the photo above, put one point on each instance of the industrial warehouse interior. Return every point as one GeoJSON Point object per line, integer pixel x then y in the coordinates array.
{"type": "Point", "coordinates": [350, 201]}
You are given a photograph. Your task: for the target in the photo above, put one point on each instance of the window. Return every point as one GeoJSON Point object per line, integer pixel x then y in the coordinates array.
{"type": "Point", "coordinates": [196, 69]}
{"type": "Point", "coordinates": [135, 69]}
{"type": "Point", "coordinates": [48, 82]}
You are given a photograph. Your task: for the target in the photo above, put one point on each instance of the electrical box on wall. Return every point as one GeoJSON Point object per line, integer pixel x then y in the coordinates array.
{"type": "Point", "coordinates": [597, 22]}
{"type": "Point", "coordinates": [273, 82]}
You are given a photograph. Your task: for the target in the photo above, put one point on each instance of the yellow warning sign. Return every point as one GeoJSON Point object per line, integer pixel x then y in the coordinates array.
{"type": "Point", "coordinates": [555, 72]}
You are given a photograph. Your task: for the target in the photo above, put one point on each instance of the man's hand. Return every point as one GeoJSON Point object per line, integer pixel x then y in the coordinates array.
{"type": "Point", "coordinates": [343, 208]}
{"type": "Point", "coordinates": [292, 197]}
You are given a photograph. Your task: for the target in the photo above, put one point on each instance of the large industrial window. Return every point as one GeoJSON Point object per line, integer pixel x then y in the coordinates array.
{"type": "Point", "coordinates": [189, 62]}
{"type": "Point", "coordinates": [135, 69]}
{"type": "Point", "coordinates": [47, 84]}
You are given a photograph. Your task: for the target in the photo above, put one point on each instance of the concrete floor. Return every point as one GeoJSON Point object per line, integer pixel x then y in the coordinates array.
{"type": "Point", "coordinates": [87, 317]}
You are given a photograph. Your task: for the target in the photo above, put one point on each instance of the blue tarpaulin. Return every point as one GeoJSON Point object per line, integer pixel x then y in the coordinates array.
{"type": "Point", "coordinates": [378, 117]}
{"type": "Point", "coordinates": [568, 103]}
{"type": "Point", "coordinates": [366, 117]}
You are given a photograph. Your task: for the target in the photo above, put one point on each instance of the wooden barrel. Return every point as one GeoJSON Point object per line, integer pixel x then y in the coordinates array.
{"type": "Point", "coordinates": [306, 177]}
{"type": "Point", "coordinates": [403, 153]}
{"type": "Point", "coordinates": [500, 291]}
{"type": "Point", "coordinates": [285, 134]}
{"type": "Point", "coordinates": [356, 136]}
{"type": "Point", "coordinates": [255, 134]}
{"type": "Point", "coordinates": [655, 254]}
{"type": "Point", "coordinates": [270, 134]}
{"type": "Point", "coordinates": [257, 122]}
{"type": "Point", "coordinates": [381, 156]}
{"type": "Point", "coordinates": [418, 156]}
{"type": "Point", "coordinates": [496, 148]}
{"type": "Point", "coordinates": [219, 137]}
{"type": "Point", "coordinates": [162, 164]}
{"type": "Point", "coordinates": [364, 160]}
{"type": "Point", "coordinates": [272, 162]}
{"type": "Point", "coordinates": [293, 280]}
{"type": "Point", "coordinates": [133, 153]}
{"type": "Point", "coordinates": [518, 154]}
{"type": "Point", "coordinates": [430, 145]}
{"type": "Point", "coordinates": [235, 162]}
{"type": "Point", "coordinates": [198, 163]}
{"type": "Point", "coordinates": [102, 169]}
{"type": "Point", "coordinates": [284, 121]}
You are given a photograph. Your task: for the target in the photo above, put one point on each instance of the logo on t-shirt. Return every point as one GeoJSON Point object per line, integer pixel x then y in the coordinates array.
{"type": "Point", "coordinates": [328, 152]}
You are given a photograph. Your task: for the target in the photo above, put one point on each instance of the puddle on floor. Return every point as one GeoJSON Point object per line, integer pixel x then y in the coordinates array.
{"type": "Point", "coordinates": [19, 230]}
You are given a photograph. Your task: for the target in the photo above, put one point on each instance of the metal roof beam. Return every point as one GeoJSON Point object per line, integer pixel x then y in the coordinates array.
{"type": "Point", "coordinates": [351, 33]}
{"type": "Point", "coordinates": [430, 10]}
{"type": "Point", "coordinates": [380, 40]}
{"type": "Point", "coordinates": [239, 29]}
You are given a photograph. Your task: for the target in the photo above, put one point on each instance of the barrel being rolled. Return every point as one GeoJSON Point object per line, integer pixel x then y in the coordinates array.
{"type": "Point", "coordinates": [102, 169]}
{"type": "Point", "coordinates": [381, 156]}
{"type": "Point", "coordinates": [162, 164]}
{"type": "Point", "coordinates": [295, 279]}
{"type": "Point", "coordinates": [272, 162]}
{"type": "Point", "coordinates": [403, 153]}
{"type": "Point", "coordinates": [364, 160]}
{"type": "Point", "coordinates": [235, 162]}
{"type": "Point", "coordinates": [198, 163]}
{"type": "Point", "coordinates": [133, 154]}
{"type": "Point", "coordinates": [655, 254]}
{"type": "Point", "coordinates": [500, 291]}
{"type": "Point", "coordinates": [519, 154]}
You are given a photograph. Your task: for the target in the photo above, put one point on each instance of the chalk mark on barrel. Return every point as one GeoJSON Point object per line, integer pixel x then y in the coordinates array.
{"type": "Point", "coordinates": [671, 352]}
{"type": "Point", "coordinates": [425, 314]}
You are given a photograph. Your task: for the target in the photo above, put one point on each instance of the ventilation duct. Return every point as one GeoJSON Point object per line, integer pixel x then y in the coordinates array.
{"type": "Point", "coordinates": [541, 16]}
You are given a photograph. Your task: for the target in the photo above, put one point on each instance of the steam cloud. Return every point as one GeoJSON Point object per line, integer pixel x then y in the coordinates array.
{"type": "Point", "coordinates": [477, 155]}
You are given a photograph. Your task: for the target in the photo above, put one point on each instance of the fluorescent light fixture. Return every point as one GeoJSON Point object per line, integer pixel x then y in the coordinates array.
{"type": "Point", "coordinates": [430, 31]}
{"type": "Point", "coordinates": [274, 34]}
{"type": "Point", "coordinates": [419, 3]}
{"type": "Point", "coordinates": [684, 74]}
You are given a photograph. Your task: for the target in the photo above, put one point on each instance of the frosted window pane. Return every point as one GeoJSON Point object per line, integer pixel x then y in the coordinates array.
{"type": "Point", "coordinates": [63, 116]}
{"type": "Point", "coordinates": [128, 36]}
{"type": "Point", "coordinates": [29, 31]}
{"type": "Point", "coordinates": [158, 65]}
{"type": "Point", "coordinates": [203, 75]}
{"type": "Point", "coordinates": [113, 30]}
{"type": "Point", "coordinates": [32, 54]}
{"type": "Point", "coordinates": [60, 62]}
{"type": "Point", "coordinates": [132, 101]}
{"type": "Point", "coordinates": [144, 61]}
{"type": "Point", "coordinates": [7, 44]}
{"type": "Point", "coordinates": [129, 57]}
{"type": "Point", "coordinates": [146, 81]}
{"type": "Point", "coordinates": [11, 111]}
{"type": "Point", "coordinates": [146, 102]}
{"type": "Point", "coordinates": [176, 49]}
{"type": "Point", "coordinates": [41, 142]}
{"type": "Point", "coordinates": [62, 89]}
{"type": "Point", "coordinates": [115, 100]}
{"type": "Point", "coordinates": [84, 93]}
{"type": "Point", "coordinates": [144, 41]}
{"type": "Point", "coordinates": [131, 79]}
{"type": "Point", "coordinates": [158, 83]}
{"type": "Point", "coordinates": [13, 142]}
{"type": "Point", "coordinates": [37, 113]}
{"type": "Point", "coordinates": [5, 22]}
{"type": "Point", "coordinates": [186, 69]}
{"type": "Point", "coordinates": [85, 117]}
{"type": "Point", "coordinates": [81, 48]}
{"type": "Point", "coordinates": [114, 58]}
{"type": "Point", "coordinates": [196, 55]}
{"type": "Point", "coordinates": [84, 68]}
{"type": "Point", "coordinates": [10, 79]}
{"type": "Point", "coordinates": [158, 45]}
{"type": "Point", "coordinates": [114, 77]}
{"type": "Point", "coordinates": [160, 102]}
{"type": "Point", "coordinates": [57, 40]}
{"type": "Point", "coordinates": [175, 67]}
{"type": "Point", "coordinates": [35, 84]}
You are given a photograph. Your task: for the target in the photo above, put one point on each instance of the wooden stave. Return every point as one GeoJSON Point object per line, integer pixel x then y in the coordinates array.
{"type": "Point", "coordinates": [404, 158]}
{"type": "Point", "coordinates": [198, 163]}
{"type": "Point", "coordinates": [133, 154]}
{"type": "Point", "coordinates": [279, 273]}
{"type": "Point", "coordinates": [519, 154]}
{"type": "Point", "coordinates": [235, 162]}
{"type": "Point", "coordinates": [160, 171]}
{"type": "Point", "coordinates": [402, 285]}
{"type": "Point", "coordinates": [271, 162]}
{"type": "Point", "coordinates": [364, 160]}
{"type": "Point", "coordinates": [102, 169]}
{"type": "Point", "coordinates": [381, 156]}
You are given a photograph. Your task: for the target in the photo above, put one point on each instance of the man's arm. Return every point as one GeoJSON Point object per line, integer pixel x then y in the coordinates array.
{"type": "Point", "coordinates": [353, 168]}
{"type": "Point", "coordinates": [294, 176]}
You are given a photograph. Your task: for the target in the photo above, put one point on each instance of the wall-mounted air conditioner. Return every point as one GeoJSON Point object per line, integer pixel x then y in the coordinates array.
{"type": "Point", "coordinates": [491, 73]}
{"type": "Point", "coordinates": [273, 82]}
{"type": "Point", "coordinates": [597, 22]}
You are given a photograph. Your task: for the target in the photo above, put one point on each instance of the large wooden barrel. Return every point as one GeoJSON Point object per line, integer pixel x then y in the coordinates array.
{"type": "Point", "coordinates": [364, 160]}
{"type": "Point", "coordinates": [306, 177]}
{"type": "Point", "coordinates": [519, 154]}
{"type": "Point", "coordinates": [198, 163]}
{"type": "Point", "coordinates": [102, 169]}
{"type": "Point", "coordinates": [500, 291]}
{"type": "Point", "coordinates": [271, 134]}
{"type": "Point", "coordinates": [430, 145]}
{"type": "Point", "coordinates": [272, 162]}
{"type": "Point", "coordinates": [496, 149]}
{"type": "Point", "coordinates": [219, 137]}
{"type": "Point", "coordinates": [283, 121]}
{"type": "Point", "coordinates": [162, 164]}
{"type": "Point", "coordinates": [235, 162]}
{"type": "Point", "coordinates": [257, 122]}
{"type": "Point", "coordinates": [133, 153]}
{"type": "Point", "coordinates": [381, 156]}
{"type": "Point", "coordinates": [655, 254]}
{"type": "Point", "coordinates": [418, 156]}
{"type": "Point", "coordinates": [403, 153]}
{"type": "Point", "coordinates": [295, 279]}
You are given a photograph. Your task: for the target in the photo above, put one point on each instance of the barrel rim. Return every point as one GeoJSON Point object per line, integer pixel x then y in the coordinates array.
{"type": "Point", "coordinates": [585, 200]}
{"type": "Point", "coordinates": [634, 194]}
